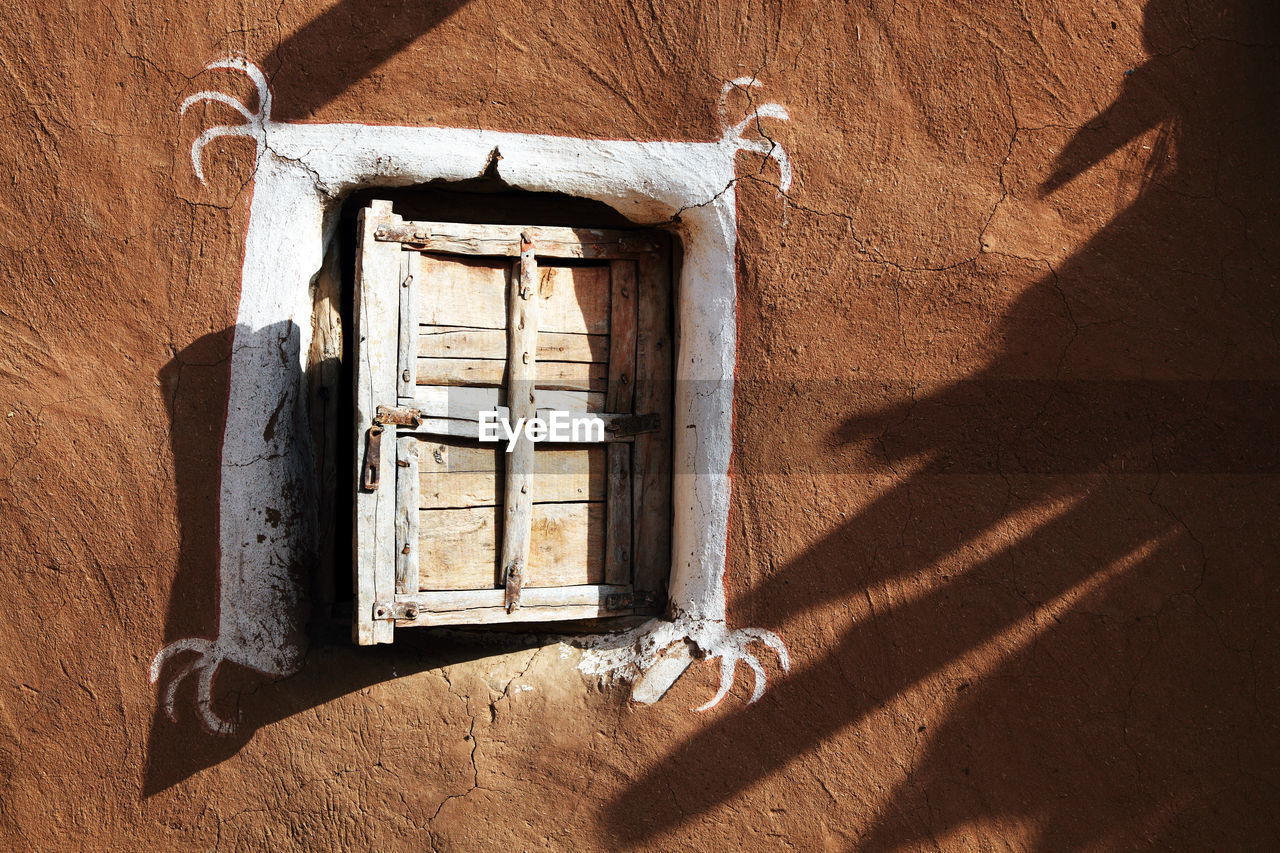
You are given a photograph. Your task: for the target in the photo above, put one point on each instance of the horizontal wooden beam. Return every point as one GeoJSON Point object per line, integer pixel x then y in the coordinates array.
{"type": "Point", "coordinates": [485, 606]}
{"type": "Point", "coordinates": [472, 342]}
{"type": "Point", "coordinates": [463, 239]}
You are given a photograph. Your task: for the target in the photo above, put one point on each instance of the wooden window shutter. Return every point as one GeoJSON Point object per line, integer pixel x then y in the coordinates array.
{"type": "Point", "coordinates": [453, 320]}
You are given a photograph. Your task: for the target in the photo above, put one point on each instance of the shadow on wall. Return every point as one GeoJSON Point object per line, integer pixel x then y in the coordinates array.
{"type": "Point", "coordinates": [217, 615]}
{"type": "Point", "coordinates": [1070, 606]}
{"type": "Point", "coordinates": [344, 44]}
{"type": "Point", "coordinates": [226, 625]}
{"type": "Point", "coordinates": [321, 60]}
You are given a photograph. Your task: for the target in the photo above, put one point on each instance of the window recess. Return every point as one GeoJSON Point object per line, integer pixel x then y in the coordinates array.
{"type": "Point", "coordinates": [452, 320]}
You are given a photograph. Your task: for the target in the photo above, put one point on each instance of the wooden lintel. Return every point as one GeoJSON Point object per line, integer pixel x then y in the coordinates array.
{"type": "Point", "coordinates": [552, 242]}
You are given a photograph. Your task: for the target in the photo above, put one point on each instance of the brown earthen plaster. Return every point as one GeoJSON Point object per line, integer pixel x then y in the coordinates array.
{"type": "Point", "coordinates": [1005, 453]}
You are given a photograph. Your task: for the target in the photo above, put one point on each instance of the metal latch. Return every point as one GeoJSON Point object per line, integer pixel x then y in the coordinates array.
{"type": "Point", "coordinates": [370, 471]}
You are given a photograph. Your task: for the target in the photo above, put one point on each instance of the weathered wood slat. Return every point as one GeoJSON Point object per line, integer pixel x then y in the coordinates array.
{"type": "Point", "coordinates": [618, 519]}
{"type": "Point", "coordinates": [464, 342]}
{"type": "Point", "coordinates": [558, 375]}
{"type": "Point", "coordinates": [550, 596]}
{"type": "Point", "coordinates": [376, 322]}
{"type": "Point", "coordinates": [473, 292]}
{"type": "Point", "coordinates": [581, 429]}
{"type": "Point", "coordinates": [463, 403]}
{"type": "Point", "coordinates": [458, 548]}
{"type": "Point", "coordinates": [407, 515]}
{"type": "Point", "coordinates": [456, 475]}
{"type": "Point", "coordinates": [456, 456]}
{"type": "Point", "coordinates": [406, 346]}
{"type": "Point", "coordinates": [328, 421]}
{"type": "Point", "coordinates": [552, 242]}
{"type": "Point", "coordinates": [522, 365]}
{"type": "Point", "coordinates": [484, 606]}
{"type": "Point", "coordinates": [651, 485]}
{"type": "Point", "coordinates": [622, 337]}
{"type": "Point", "coordinates": [620, 397]}
{"type": "Point", "coordinates": [469, 489]}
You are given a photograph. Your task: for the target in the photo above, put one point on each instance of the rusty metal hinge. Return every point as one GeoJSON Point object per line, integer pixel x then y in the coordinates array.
{"type": "Point", "coordinates": [398, 416]}
{"type": "Point", "coordinates": [371, 470]}
{"type": "Point", "coordinates": [389, 611]}
{"type": "Point", "coordinates": [631, 600]}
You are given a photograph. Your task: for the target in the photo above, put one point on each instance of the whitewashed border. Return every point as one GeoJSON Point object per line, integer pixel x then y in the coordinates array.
{"type": "Point", "coordinates": [303, 172]}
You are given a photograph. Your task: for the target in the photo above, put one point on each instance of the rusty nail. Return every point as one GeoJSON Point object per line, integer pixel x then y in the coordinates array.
{"type": "Point", "coordinates": [411, 612]}
{"type": "Point", "coordinates": [405, 549]}
{"type": "Point", "coordinates": [405, 375]}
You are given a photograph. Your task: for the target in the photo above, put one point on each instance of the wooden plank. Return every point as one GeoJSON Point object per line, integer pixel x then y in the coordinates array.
{"type": "Point", "coordinates": [458, 548]}
{"type": "Point", "coordinates": [558, 476]}
{"type": "Point", "coordinates": [620, 397]}
{"type": "Point", "coordinates": [377, 306]}
{"type": "Point", "coordinates": [499, 615]}
{"type": "Point", "coordinates": [569, 596]}
{"type": "Point", "coordinates": [473, 292]}
{"type": "Point", "coordinates": [407, 516]}
{"type": "Point", "coordinates": [618, 521]}
{"type": "Point", "coordinates": [465, 403]}
{"type": "Point", "coordinates": [453, 455]}
{"type": "Point", "coordinates": [406, 348]}
{"type": "Point", "coordinates": [651, 459]}
{"type": "Point", "coordinates": [475, 607]}
{"type": "Point", "coordinates": [484, 606]}
{"type": "Point", "coordinates": [522, 364]}
{"type": "Point", "coordinates": [464, 342]}
{"type": "Point", "coordinates": [328, 425]}
{"type": "Point", "coordinates": [622, 337]}
{"type": "Point", "coordinates": [552, 242]}
{"type": "Point", "coordinates": [560, 375]}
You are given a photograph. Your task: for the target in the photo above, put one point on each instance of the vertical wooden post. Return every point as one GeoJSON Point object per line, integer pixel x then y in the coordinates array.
{"type": "Point", "coordinates": [522, 367]}
{"type": "Point", "coordinates": [651, 563]}
{"type": "Point", "coordinates": [620, 397]}
{"type": "Point", "coordinates": [407, 512]}
{"type": "Point", "coordinates": [407, 350]}
{"type": "Point", "coordinates": [377, 304]}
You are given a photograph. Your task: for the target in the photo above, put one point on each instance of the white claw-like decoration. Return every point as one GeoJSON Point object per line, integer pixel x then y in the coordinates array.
{"type": "Point", "coordinates": [206, 663]}
{"type": "Point", "coordinates": [657, 653]}
{"type": "Point", "coordinates": [760, 144]}
{"type": "Point", "coordinates": [255, 125]}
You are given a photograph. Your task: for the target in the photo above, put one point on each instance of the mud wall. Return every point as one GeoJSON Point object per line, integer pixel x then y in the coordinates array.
{"type": "Point", "coordinates": [1004, 436]}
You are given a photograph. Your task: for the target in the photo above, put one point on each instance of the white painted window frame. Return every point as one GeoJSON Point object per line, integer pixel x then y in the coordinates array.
{"type": "Point", "coordinates": [302, 174]}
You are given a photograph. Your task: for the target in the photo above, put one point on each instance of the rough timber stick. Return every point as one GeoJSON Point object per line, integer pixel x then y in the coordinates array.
{"type": "Point", "coordinates": [522, 365]}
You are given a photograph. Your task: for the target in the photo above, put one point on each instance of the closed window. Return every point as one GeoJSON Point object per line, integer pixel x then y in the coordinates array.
{"type": "Point", "coordinates": [557, 342]}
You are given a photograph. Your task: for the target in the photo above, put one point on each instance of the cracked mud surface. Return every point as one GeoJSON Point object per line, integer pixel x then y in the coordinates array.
{"type": "Point", "coordinates": [1005, 451]}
